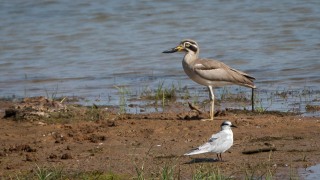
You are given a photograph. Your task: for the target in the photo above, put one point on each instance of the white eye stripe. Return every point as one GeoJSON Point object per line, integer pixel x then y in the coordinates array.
{"type": "Point", "coordinates": [187, 43]}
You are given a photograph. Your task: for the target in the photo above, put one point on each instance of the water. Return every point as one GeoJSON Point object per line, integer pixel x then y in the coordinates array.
{"type": "Point", "coordinates": [310, 173]}
{"type": "Point", "coordinates": [85, 48]}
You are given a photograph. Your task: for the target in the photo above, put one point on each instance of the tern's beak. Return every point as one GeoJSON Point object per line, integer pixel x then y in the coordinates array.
{"type": "Point", "coordinates": [176, 49]}
{"type": "Point", "coordinates": [233, 126]}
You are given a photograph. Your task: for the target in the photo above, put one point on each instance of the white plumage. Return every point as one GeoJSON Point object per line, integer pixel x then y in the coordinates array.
{"type": "Point", "coordinates": [218, 143]}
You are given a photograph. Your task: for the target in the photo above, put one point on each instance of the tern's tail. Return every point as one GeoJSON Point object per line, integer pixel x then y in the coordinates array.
{"type": "Point", "coordinates": [196, 151]}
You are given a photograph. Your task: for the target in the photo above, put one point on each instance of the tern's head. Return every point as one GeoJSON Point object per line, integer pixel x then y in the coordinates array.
{"type": "Point", "coordinates": [187, 45]}
{"type": "Point", "coordinates": [227, 125]}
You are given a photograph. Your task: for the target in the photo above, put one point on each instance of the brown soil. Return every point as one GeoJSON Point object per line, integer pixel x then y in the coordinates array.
{"type": "Point", "coordinates": [121, 144]}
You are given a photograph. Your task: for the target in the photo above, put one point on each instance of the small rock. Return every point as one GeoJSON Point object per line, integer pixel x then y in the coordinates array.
{"type": "Point", "coordinates": [96, 138]}
{"type": "Point", "coordinates": [10, 113]}
{"type": "Point", "coordinates": [66, 156]}
{"type": "Point", "coordinates": [30, 157]}
{"type": "Point", "coordinates": [42, 123]}
{"type": "Point", "coordinates": [111, 123]}
{"type": "Point", "coordinates": [53, 156]}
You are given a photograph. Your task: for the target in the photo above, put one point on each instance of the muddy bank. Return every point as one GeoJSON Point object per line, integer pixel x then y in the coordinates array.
{"type": "Point", "coordinates": [82, 139]}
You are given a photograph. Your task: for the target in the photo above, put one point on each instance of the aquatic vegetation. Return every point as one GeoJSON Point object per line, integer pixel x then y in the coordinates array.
{"type": "Point", "coordinates": [265, 170]}
{"type": "Point", "coordinates": [167, 172]}
{"type": "Point", "coordinates": [209, 173]}
{"type": "Point", "coordinates": [312, 108]}
{"type": "Point", "coordinates": [95, 113]}
{"type": "Point", "coordinates": [123, 92]}
{"type": "Point", "coordinates": [161, 93]}
{"type": "Point", "coordinates": [262, 103]}
{"type": "Point", "coordinates": [52, 95]}
{"type": "Point", "coordinates": [139, 171]}
{"type": "Point", "coordinates": [155, 97]}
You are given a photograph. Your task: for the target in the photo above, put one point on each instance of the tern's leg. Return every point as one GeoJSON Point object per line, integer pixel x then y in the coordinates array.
{"type": "Point", "coordinates": [212, 103]}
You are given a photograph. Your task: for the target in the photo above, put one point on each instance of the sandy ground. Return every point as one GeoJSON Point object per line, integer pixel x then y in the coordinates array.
{"type": "Point", "coordinates": [151, 141]}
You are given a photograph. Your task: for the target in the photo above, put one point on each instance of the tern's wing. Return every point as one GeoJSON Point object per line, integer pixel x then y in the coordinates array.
{"type": "Point", "coordinates": [209, 146]}
{"type": "Point", "coordinates": [201, 149]}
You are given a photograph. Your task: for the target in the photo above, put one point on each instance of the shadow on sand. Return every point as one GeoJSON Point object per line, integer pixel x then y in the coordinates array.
{"type": "Point", "coordinates": [202, 160]}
